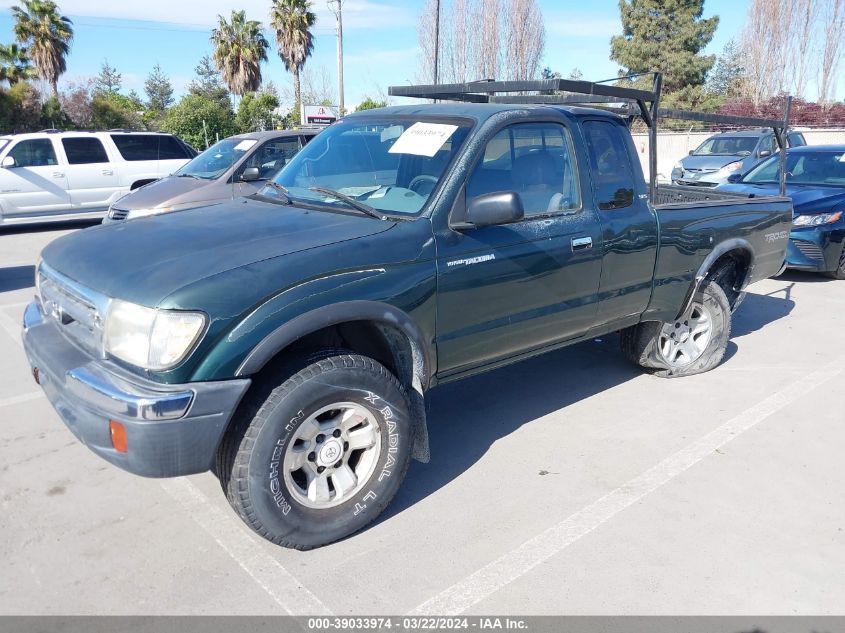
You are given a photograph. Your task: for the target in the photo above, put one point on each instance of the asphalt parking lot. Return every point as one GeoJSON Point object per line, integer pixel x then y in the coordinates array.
{"type": "Point", "coordinates": [569, 484]}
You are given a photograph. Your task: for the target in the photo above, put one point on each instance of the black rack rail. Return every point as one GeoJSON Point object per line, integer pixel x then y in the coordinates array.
{"type": "Point", "coordinates": [630, 102]}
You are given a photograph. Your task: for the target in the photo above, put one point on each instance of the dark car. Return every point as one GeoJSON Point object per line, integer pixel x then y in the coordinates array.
{"type": "Point", "coordinates": [236, 166]}
{"type": "Point", "coordinates": [287, 340]}
{"type": "Point", "coordinates": [721, 155]}
{"type": "Point", "coordinates": [815, 178]}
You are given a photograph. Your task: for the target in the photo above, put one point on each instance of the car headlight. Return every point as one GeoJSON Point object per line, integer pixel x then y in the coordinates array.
{"type": "Point", "coordinates": [149, 338]}
{"type": "Point", "coordinates": [816, 219]}
{"type": "Point", "coordinates": [732, 167]}
{"type": "Point", "coordinates": [141, 213]}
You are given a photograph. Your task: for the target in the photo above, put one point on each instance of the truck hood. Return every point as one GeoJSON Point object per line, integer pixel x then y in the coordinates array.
{"type": "Point", "coordinates": [805, 198]}
{"type": "Point", "coordinates": [171, 191]}
{"type": "Point", "coordinates": [709, 162]}
{"type": "Point", "coordinates": [147, 259]}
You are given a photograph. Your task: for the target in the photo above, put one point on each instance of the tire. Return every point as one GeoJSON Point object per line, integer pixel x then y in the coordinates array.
{"type": "Point", "coordinates": [277, 464]}
{"type": "Point", "coordinates": [839, 273]}
{"type": "Point", "coordinates": [649, 345]}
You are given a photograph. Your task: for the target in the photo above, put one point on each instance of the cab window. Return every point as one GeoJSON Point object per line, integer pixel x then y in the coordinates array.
{"type": "Point", "coordinates": [610, 164]}
{"type": "Point", "coordinates": [34, 153]}
{"type": "Point", "coordinates": [535, 160]}
{"type": "Point", "coordinates": [272, 156]}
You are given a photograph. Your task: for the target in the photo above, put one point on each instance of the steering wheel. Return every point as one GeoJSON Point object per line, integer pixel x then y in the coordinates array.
{"type": "Point", "coordinates": [421, 178]}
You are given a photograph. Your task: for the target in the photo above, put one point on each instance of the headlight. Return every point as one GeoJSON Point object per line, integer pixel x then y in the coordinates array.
{"type": "Point", "coordinates": [817, 219]}
{"type": "Point", "coordinates": [141, 213]}
{"type": "Point", "coordinates": [148, 338]}
{"type": "Point", "coordinates": [731, 167]}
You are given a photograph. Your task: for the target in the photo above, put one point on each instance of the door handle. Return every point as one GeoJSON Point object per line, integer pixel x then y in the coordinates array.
{"type": "Point", "coordinates": [581, 243]}
{"type": "Point", "coordinates": [107, 172]}
{"type": "Point", "coordinates": [58, 174]}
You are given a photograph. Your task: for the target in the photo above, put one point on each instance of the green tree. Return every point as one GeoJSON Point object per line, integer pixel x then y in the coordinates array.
{"type": "Point", "coordinates": [728, 74]}
{"type": "Point", "coordinates": [255, 111]}
{"type": "Point", "coordinates": [197, 118]}
{"type": "Point", "coordinates": [292, 21]}
{"type": "Point", "coordinates": [47, 36]}
{"type": "Point", "coordinates": [208, 83]}
{"type": "Point", "coordinates": [109, 80]}
{"type": "Point", "coordinates": [111, 110]}
{"type": "Point", "coordinates": [159, 90]}
{"type": "Point", "coordinates": [239, 49]}
{"type": "Point", "coordinates": [665, 35]}
{"type": "Point", "coordinates": [20, 109]}
{"type": "Point", "coordinates": [369, 104]}
{"type": "Point", "coordinates": [14, 64]}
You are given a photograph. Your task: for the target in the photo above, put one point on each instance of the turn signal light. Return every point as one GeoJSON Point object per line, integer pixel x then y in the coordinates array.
{"type": "Point", "coordinates": [118, 436]}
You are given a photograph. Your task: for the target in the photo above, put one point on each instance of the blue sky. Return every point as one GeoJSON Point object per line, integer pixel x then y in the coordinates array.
{"type": "Point", "coordinates": [380, 40]}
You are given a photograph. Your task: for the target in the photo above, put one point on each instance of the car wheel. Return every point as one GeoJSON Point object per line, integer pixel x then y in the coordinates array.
{"type": "Point", "coordinates": [692, 345]}
{"type": "Point", "coordinates": [323, 453]}
{"type": "Point", "coordinates": [839, 273]}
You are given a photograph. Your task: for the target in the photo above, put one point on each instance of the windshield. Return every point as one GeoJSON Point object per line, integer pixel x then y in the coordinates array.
{"type": "Point", "coordinates": [727, 146]}
{"type": "Point", "coordinates": [390, 165]}
{"type": "Point", "coordinates": [214, 161]}
{"type": "Point", "coordinates": [804, 168]}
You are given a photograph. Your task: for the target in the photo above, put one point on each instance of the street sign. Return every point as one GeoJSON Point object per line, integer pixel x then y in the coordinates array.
{"type": "Point", "coordinates": [318, 115]}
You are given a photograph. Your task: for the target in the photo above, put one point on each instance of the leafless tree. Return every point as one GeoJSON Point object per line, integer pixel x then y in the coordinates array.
{"type": "Point", "coordinates": [833, 19]}
{"type": "Point", "coordinates": [765, 44]}
{"type": "Point", "coordinates": [804, 29]}
{"type": "Point", "coordinates": [482, 39]}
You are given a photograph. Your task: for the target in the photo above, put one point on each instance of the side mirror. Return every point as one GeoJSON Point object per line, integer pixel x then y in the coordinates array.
{"type": "Point", "coordinates": [764, 152]}
{"type": "Point", "coordinates": [8, 162]}
{"type": "Point", "coordinates": [250, 174]}
{"type": "Point", "coordinates": [734, 177]}
{"type": "Point", "coordinates": [491, 209]}
{"type": "Point", "coordinates": [691, 152]}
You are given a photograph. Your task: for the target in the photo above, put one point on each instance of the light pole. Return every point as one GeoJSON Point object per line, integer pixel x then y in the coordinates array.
{"type": "Point", "coordinates": [336, 6]}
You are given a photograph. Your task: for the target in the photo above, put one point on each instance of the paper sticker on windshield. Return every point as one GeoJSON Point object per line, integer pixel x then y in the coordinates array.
{"type": "Point", "coordinates": [244, 145]}
{"type": "Point", "coordinates": [842, 158]}
{"type": "Point", "coordinates": [423, 139]}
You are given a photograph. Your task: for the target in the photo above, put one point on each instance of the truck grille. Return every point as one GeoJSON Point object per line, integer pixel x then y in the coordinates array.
{"type": "Point", "coordinates": [77, 311]}
{"type": "Point", "coordinates": [118, 214]}
{"type": "Point", "coordinates": [810, 250]}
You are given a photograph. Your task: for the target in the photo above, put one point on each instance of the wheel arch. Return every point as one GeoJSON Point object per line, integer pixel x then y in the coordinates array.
{"type": "Point", "coordinates": [737, 251]}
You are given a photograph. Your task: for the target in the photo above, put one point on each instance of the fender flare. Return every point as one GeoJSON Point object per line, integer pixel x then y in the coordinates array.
{"type": "Point", "coordinates": [734, 244]}
{"type": "Point", "coordinates": [334, 314]}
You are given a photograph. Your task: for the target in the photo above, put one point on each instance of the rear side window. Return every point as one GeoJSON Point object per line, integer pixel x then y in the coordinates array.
{"type": "Point", "coordinates": [82, 151]}
{"type": "Point", "coordinates": [148, 147]}
{"type": "Point", "coordinates": [610, 163]}
{"type": "Point", "coordinates": [795, 139]}
{"type": "Point", "coordinates": [34, 153]}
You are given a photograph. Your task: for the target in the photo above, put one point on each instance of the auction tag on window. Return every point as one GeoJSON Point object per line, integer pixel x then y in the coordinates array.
{"type": "Point", "coordinates": [842, 158]}
{"type": "Point", "coordinates": [423, 139]}
{"type": "Point", "coordinates": [245, 145]}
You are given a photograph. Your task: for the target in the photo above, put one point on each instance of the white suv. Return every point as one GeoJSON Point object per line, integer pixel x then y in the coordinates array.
{"type": "Point", "coordinates": [55, 175]}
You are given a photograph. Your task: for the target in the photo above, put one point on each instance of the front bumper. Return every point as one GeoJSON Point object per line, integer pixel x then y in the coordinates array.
{"type": "Point", "coordinates": [171, 430]}
{"type": "Point", "coordinates": [815, 248]}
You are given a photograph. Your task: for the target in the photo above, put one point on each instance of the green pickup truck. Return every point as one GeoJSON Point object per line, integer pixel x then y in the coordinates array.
{"type": "Point", "coordinates": [286, 341]}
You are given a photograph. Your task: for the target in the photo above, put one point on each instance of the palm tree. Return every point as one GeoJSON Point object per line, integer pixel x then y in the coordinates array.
{"type": "Point", "coordinates": [48, 36]}
{"type": "Point", "coordinates": [292, 21]}
{"type": "Point", "coordinates": [239, 49]}
{"type": "Point", "coordinates": [14, 64]}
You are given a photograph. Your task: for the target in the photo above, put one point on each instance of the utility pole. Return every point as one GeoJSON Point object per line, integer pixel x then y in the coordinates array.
{"type": "Point", "coordinates": [337, 14]}
{"type": "Point", "coordinates": [436, 38]}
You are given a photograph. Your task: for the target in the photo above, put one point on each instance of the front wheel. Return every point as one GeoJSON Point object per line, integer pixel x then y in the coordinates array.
{"type": "Point", "coordinates": [839, 273]}
{"type": "Point", "coordinates": [322, 456]}
{"type": "Point", "coordinates": [691, 345]}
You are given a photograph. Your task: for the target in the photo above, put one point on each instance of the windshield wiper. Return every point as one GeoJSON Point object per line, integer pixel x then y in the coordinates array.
{"type": "Point", "coordinates": [188, 176]}
{"type": "Point", "coordinates": [284, 194]}
{"type": "Point", "coordinates": [352, 202]}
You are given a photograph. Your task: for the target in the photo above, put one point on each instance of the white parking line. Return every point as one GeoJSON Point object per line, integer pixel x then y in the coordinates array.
{"type": "Point", "coordinates": [265, 570]}
{"type": "Point", "coordinates": [24, 397]}
{"type": "Point", "coordinates": [518, 562]}
{"type": "Point", "coordinates": [12, 328]}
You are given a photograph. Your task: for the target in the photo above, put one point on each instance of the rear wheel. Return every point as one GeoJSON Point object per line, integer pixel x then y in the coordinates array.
{"type": "Point", "coordinates": [691, 345]}
{"type": "Point", "coordinates": [323, 453]}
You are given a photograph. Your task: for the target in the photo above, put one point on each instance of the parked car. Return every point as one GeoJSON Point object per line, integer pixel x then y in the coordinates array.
{"type": "Point", "coordinates": [286, 340]}
{"type": "Point", "coordinates": [54, 175]}
{"type": "Point", "coordinates": [815, 180]}
{"type": "Point", "coordinates": [728, 153]}
{"type": "Point", "coordinates": [236, 166]}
